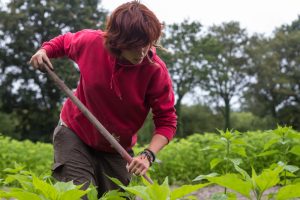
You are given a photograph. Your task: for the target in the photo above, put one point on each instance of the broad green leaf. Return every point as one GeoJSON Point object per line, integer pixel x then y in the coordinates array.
{"type": "Point", "coordinates": [25, 181]}
{"type": "Point", "coordinates": [254, 176]}
{"type": "Point", "coordinates": [228, 135]}
{"type": "Point", "coordinates": [268, 153]}
{"type": "Point", "coordinates": [288, 192]}
{"type": "Point", "coordinates": [140, 191]}
{"type": "Point", "coordinates": [65, 186]}
{"type": "Point", "coordinates": [113, 195]}
{"type": "Point", "coordinates": [283, 141]}
{"type": "Point", "coordinates": [279, 163]}
{"type": "Point", "coordinates": [23, 195]}
{"type": "Point", "coordinates": [217, 146]}
{"type": "Point", "coordinates": [291, 168]}
{"type": "Point", "coordinates": [116, 181]}
{"type": "Point", "coordinates": [239, 141]}
{"type": "Point", "coordinates": [215, 162]}
{"type": "Point", "coordinates": [224, 140]}
{"type": "Point", "coordinates": [159, 192]}
{"type": "Point", "coordinates": [296, 150]}
{"type": "Point", "coordinates": [206, 149]}
{"type": "Point", "coordinates": [267, 179]}
{"type": "Point", "coordinates": [287, 174]}
{"type": "Point", "coordinates": [92, 194]}
{"type": "Point", "coordinates": [75, 194]}
{"type": "Point", "coordinates": [185, 190]}
{"type": "Point", "coordinates": [270, 143]}
{"type": "Point", "coordinates": [283, 131]}
{"type": "Point", "coordinates": [239, 150]}
{"type": "Point", "coordinates": [202, 177]}
{"type": "Point", "coordinates": [232, 181]}
{"type": "Point", "coordinates": [243, 173]}
{"type": "Point", "coordinates": [15, 170]}
{"type": "Point", "coordinates": [294, 135]}
{"type": "Point", "coordinates": [45, 188]}
{"type": "Point", "coordinates": [236, 161]}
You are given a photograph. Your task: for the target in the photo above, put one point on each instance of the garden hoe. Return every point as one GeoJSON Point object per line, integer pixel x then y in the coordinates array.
{"type": "Point", "coordinates": [91, 118]}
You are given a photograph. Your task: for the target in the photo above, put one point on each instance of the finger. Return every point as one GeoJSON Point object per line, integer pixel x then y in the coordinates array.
{"type": "Point", "coordinates": [30, 61]}
{"type": "Point", "coordinates": [137, 168]}
{"type": "Point", "coordinates": [47, 61]}
{"type": "Point", "coordinates": [132, 165]}
{"type": "Point", "coordinates": [40, 61]}
{"type": "Point", "coordinates": [134, 170]}
{"type": "Point", "coordinates": [40, 64]}
{"type": "Point", "coordinates": [138, 171]}
{"type": "Point", "coordinates": [35, 64]}
{"type": "Point", "coordinates": [144, 172]}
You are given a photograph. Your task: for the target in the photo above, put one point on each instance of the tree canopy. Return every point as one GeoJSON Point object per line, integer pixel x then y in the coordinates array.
{"type": "Point", "coordinates": [25, 25]}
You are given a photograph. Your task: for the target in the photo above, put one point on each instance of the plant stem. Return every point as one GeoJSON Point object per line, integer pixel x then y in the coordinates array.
{"type": "Point", "coordinates": [284, 156]}
{"type": "Point", "coordinates": [227, 161]}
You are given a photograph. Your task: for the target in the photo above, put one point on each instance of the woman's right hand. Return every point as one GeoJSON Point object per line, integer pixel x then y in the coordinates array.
{"type": "Point", "coordinates": [40, 60]}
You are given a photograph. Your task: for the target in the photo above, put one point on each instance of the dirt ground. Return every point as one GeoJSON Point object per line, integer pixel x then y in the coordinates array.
{"type": "Point", "coordinates": [205, 193]}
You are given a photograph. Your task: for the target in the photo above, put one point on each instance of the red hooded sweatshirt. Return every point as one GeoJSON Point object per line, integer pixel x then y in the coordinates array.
{"type": "Point", "coordinates": [119, 95]}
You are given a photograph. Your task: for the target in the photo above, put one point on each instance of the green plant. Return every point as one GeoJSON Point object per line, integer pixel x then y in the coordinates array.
{"type": "Point", "coordinates": [233, 145]}
{"type": "Point", "coordinates": [162, 191]}
{"type": "Point", "coordinates": [284, 142]}
{"type": "Point", "coordinates": [243, 183]}
{"type": "Point", "coordinates": [31, 187]}
{"type": "Point", "coordinates": [36, 157]}
{"type": "Point", "coordinates": [283, 145]}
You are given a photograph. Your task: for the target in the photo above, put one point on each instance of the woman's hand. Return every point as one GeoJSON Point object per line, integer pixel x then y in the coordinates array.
{"type": "Point", "coordinates": [40, 60]}
{"type": "Point", "coordinates": [139, 165]}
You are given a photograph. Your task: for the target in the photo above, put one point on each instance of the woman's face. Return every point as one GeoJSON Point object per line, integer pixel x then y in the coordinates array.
{"type": "Point", "coordinates": [135, 56]}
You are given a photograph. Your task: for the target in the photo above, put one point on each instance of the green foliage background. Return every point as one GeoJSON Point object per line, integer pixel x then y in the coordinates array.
{"type": "Point", "coordinates": [181, 161]}
{"type": "Point", "coordinates": [36, 157]}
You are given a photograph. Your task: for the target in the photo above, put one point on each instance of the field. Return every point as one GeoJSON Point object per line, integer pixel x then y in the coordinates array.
{"type": "Point", "coordinates": [229, 165]}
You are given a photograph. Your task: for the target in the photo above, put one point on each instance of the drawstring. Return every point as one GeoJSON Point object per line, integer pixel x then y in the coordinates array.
{"type": "Point", "coordinates": [115, 86]}
{"type": "Point", "coordinates": [113, 82]}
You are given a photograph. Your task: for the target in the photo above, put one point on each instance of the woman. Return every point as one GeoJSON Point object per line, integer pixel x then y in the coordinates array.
{"type": "Point", "coordinates": [121, 80]}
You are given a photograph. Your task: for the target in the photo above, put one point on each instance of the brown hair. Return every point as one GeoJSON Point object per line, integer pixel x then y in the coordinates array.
{"type": "Point", "coordinates": [131, 25]}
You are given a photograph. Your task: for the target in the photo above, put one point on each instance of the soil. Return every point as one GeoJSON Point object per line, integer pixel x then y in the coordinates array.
{"type": "Point", "coordinates": [207, 192]}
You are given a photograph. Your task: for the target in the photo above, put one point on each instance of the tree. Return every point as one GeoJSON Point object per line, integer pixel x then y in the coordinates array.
{"type": "Point", "coordinates": [287, 46]}
{"type": "Point", "coordinates": [276, 69]}
{"type": "Point", "coordinates": [25, 25]}
{"type": "Point", "coordinates": [262, 96]}
{"type": "Point", "coordinates": [181, 59]}
{"type": "Point", "coordinates": [224, 67]}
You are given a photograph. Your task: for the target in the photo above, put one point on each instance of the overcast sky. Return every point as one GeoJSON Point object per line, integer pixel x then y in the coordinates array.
{"type": "Point", "coordinates": [260, 16]}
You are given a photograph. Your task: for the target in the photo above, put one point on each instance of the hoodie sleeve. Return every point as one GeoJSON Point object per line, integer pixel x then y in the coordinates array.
{"type": "Point", "coordinates": [69, 44]}
{"type": "Point", "coordinates": [161, 99]}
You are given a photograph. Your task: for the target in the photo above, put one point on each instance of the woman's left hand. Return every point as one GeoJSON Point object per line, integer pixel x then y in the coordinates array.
{"type": "Point", "coordinates": [139, 165]}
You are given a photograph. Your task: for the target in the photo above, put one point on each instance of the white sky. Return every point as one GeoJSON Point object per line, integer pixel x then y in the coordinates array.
{"type": "Point", "coordinates": [259, 16]}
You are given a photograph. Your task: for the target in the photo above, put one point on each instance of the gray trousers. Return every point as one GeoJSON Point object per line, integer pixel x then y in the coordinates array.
{"type": "Point", "coordinates": [77, 162]}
